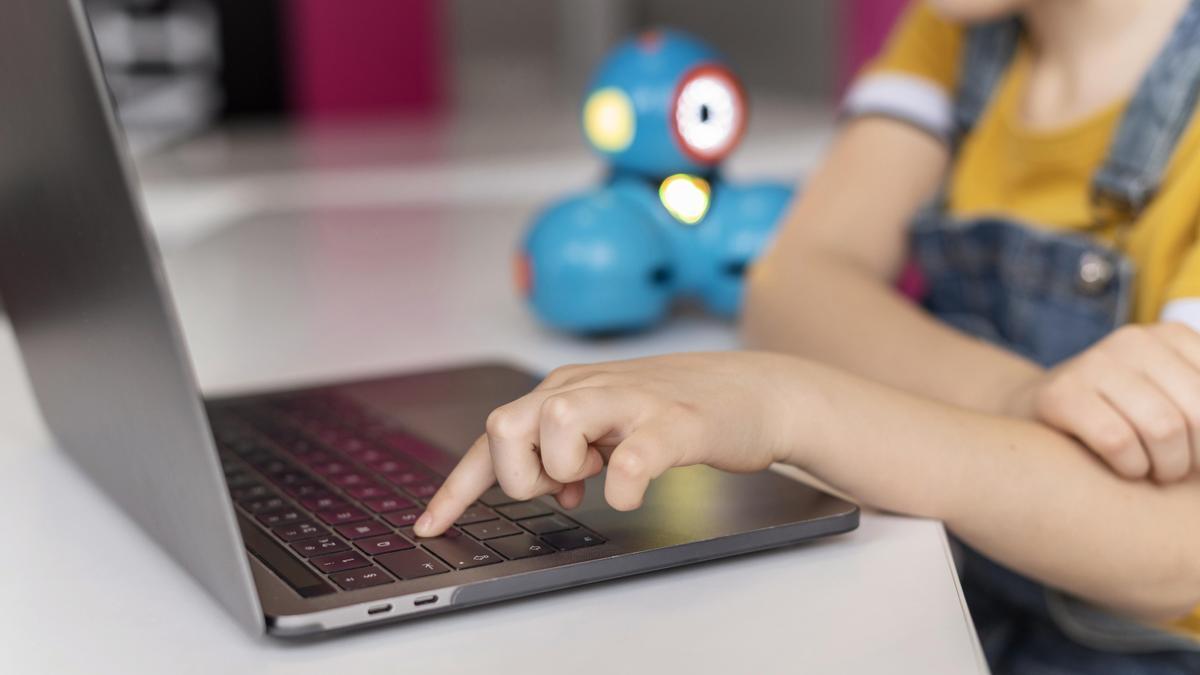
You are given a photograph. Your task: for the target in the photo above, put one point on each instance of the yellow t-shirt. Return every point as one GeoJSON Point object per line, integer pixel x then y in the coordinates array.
{"type": "Point", "coordinates": [1041, 177]}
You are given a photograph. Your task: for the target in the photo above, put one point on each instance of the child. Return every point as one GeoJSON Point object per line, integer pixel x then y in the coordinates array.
{"type": "Point", "coordinates": [1037, 160]}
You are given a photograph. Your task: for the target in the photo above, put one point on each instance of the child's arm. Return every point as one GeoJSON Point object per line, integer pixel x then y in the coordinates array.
{"type": "Point", "coordinates": [825, 291]}
{"type": "Point", "coordinates": [1019, 492]}
{"type": "Point", "coordinates": [826, 288]}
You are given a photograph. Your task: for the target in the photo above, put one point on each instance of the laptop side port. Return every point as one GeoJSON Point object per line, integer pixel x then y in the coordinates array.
{"type": "Point", "coordinates": [379, 609]}
{"type": "Point", "coordinates": [427, 600]}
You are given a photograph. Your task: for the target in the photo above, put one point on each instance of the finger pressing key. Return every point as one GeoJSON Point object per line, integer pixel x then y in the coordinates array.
{"type": "Point", "coordinates": [470, 479]}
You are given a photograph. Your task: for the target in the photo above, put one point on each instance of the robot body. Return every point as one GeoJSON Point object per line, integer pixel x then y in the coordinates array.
{"type": "Point", "coordinates": [664, 111]}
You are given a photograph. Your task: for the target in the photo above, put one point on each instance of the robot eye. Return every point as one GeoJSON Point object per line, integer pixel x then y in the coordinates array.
{"type": "Point", "coordinates": [661, 276]}
{"type": "Point", "coordinates": [736, 268]}
{"type": "Point", "coordinates": [710, 113]}
{"type": "Point", "coordinates": [608, 120]}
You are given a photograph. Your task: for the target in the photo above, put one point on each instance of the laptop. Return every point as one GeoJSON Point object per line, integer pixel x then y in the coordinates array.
{"type": "Point", "coordinates": [292, 508]}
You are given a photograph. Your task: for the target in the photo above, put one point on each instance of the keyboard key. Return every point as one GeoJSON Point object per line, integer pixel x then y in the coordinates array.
{"type": "Point", "coordinates": [371, 456]}
{"type": "Point", "coordinates": [385, 544]}
{"type": "Point", "coordinates": [402, 518]}
{"type": "Point", "coordinates": [547, 524]}
{"type": "Point", "coordinates": [577, 538]}
{"type": "Point", "coordinates": [361, 578]}
{"type": "Point", "coordinates": [304, 490]}
{"type": "Point", "coordinates": [340, 561]}
{"type": "Point", "coordinates": [460, 552]}
{"type": "Point", "coordinates": [306, 450]}
{"type": "Point", "coordinates": [398, 440]}
{"type": "Point", "coordinates": [338, 516]}
{"type": "Point", "coordinates": [522, 510]}
{"type": "Point", "coordinates": [252, 492]}
{"type": "Point", "coordinates": [411, 564]}
{"type": "Point", "coordinates": [351, 480]}
{"type": "Point", "coordinates": [280, 517]}
{"type": "Point", "coordinates": [334, 468]}
{"type": "Point", "coordinates": [409, 477]}
{"type": "Point", "coordinates": [492, 529]}
{"type": "Point", "coordinates": [422, 490]}
{"type": "Point", "coordinates": [350, 445]}
{"type": "Point", "coordinates": [245, 445]}
{"type": "Point", "coordinates": [319, 546]}
{"type": "Point", "coordinates": [385, 464]}
{"type": "Point", "coordinates": [370, 491]}
{"type": "Point", "coordinates": [314, 457]}
{"type": "Point", "coordinates": [239, 480]}
{"type": "Point", "coordinates": [324, 502]}
{"type": "Point", "coordinates": [294, 531]}
{"type": "Point", "coordinates": [389, 504]}
{"type": "Point", "coordinates": [520, 546]}
{"type": "Point", "coordinates": [259, 457]}
{"type": "Point", "coordinates": [366, 528]}
{"type": "Point", "coordinates": [276, 467]}
{"type": "Point", "coordinates": [451, 533]}
{"type": "Point", "coordinates": [476, 514]}
{"type": "Point", "coordinates": [269, 503]}
{"type": "Point", "coordinates": [496, 497]}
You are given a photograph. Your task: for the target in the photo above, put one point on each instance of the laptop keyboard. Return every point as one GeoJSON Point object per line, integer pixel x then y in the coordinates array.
{"type": "Point", "coordinates": [339, 491]}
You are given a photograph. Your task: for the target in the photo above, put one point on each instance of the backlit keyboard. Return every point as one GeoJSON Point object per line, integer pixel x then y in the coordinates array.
{"type": "Point", "coordinates": [339, 491]}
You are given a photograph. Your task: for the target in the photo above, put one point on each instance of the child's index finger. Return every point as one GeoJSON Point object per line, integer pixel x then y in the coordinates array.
{"type": "Point", "coordinates": [470, 479]}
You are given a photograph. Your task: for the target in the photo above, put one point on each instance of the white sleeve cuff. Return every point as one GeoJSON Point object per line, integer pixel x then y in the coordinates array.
{"type": "Point", "coordinates": [1185, 311]}
{"type": "Point", "coordinates": [908, 98]}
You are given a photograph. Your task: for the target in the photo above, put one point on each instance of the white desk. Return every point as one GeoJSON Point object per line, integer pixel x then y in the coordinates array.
{"type": "Point", "coordinates": [337, 292]}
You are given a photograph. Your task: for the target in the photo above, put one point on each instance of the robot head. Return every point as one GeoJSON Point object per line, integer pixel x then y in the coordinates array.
{"type": "Point", "coordinates": [664, 103]}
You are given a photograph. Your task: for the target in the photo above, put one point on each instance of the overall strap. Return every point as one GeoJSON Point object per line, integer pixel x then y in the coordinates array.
{"type": "Point", "coordinates": [1156, 117]}
{"type": "Point", "coordinates": [988, 50]}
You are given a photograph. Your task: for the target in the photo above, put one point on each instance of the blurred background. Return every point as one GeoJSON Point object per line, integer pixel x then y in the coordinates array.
{"type": "Point", "coordinates": [180, 66]}
{"type": "Point", "coordinates": [227, 102]}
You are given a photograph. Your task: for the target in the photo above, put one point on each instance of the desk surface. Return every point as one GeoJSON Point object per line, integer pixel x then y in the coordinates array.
{"type": "Point", "coordinates": [331, 292]}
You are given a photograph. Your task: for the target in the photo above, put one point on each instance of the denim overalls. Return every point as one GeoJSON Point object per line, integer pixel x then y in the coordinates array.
{"type": "Point", "coordinates": [1047, 296]}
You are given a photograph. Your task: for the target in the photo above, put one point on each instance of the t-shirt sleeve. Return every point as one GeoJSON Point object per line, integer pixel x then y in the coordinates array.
{"type": "Point", "coordinates": [913, 79]}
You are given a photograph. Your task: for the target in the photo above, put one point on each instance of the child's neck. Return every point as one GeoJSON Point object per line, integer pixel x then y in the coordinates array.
{"type": "Point", "coordinates": [1089, 54]}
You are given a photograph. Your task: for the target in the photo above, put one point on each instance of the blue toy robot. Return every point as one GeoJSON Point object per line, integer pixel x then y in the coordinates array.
{"type": "Point", "coordinates": [663, 110]}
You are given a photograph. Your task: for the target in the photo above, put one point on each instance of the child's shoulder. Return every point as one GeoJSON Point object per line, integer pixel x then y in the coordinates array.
{"type": "Point", "coordinates": [915, 75]}
{"type": "Point", "coordinates": [924, 44]}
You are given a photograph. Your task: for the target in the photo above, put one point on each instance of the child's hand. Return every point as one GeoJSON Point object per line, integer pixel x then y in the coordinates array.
{"type": "Point", "coordinates": [729, 410]}
{"type": "Point", "coordinates": [1133, 398]}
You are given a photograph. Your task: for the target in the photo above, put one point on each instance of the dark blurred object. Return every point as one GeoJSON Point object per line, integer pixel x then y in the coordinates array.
{"type": "Point", "coordinates": [174, 65]}
{"type": "Point", "coordinates": [253, 49]}
{"type": "Point", "coordinates": [161, 58]}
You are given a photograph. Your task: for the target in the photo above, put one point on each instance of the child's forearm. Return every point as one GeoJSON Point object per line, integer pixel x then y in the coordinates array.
{"type": "Point", "coordinates": [1020, 493]}
{"type": "Point", "coordinates": [828, 310]}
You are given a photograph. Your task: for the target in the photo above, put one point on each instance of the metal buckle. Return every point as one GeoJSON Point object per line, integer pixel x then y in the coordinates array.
{"type": "Point", "coordinates": [1109, 209]}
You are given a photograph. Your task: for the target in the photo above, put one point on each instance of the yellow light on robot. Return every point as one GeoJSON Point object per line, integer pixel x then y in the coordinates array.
{"type": "Point", "coordinates": [608, 119]}
{"type": "Point", "coordinates": [685, 197]}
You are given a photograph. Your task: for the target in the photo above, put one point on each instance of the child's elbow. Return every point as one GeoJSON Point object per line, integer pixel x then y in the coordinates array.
{"type": "Point", "coordinates": [1175, 596]}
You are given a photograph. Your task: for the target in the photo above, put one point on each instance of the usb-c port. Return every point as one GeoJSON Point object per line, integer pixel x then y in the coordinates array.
{"type": "Point", "coordinates": [379, 609]}
{"type": "Point", "coordinates": [427, 600]}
